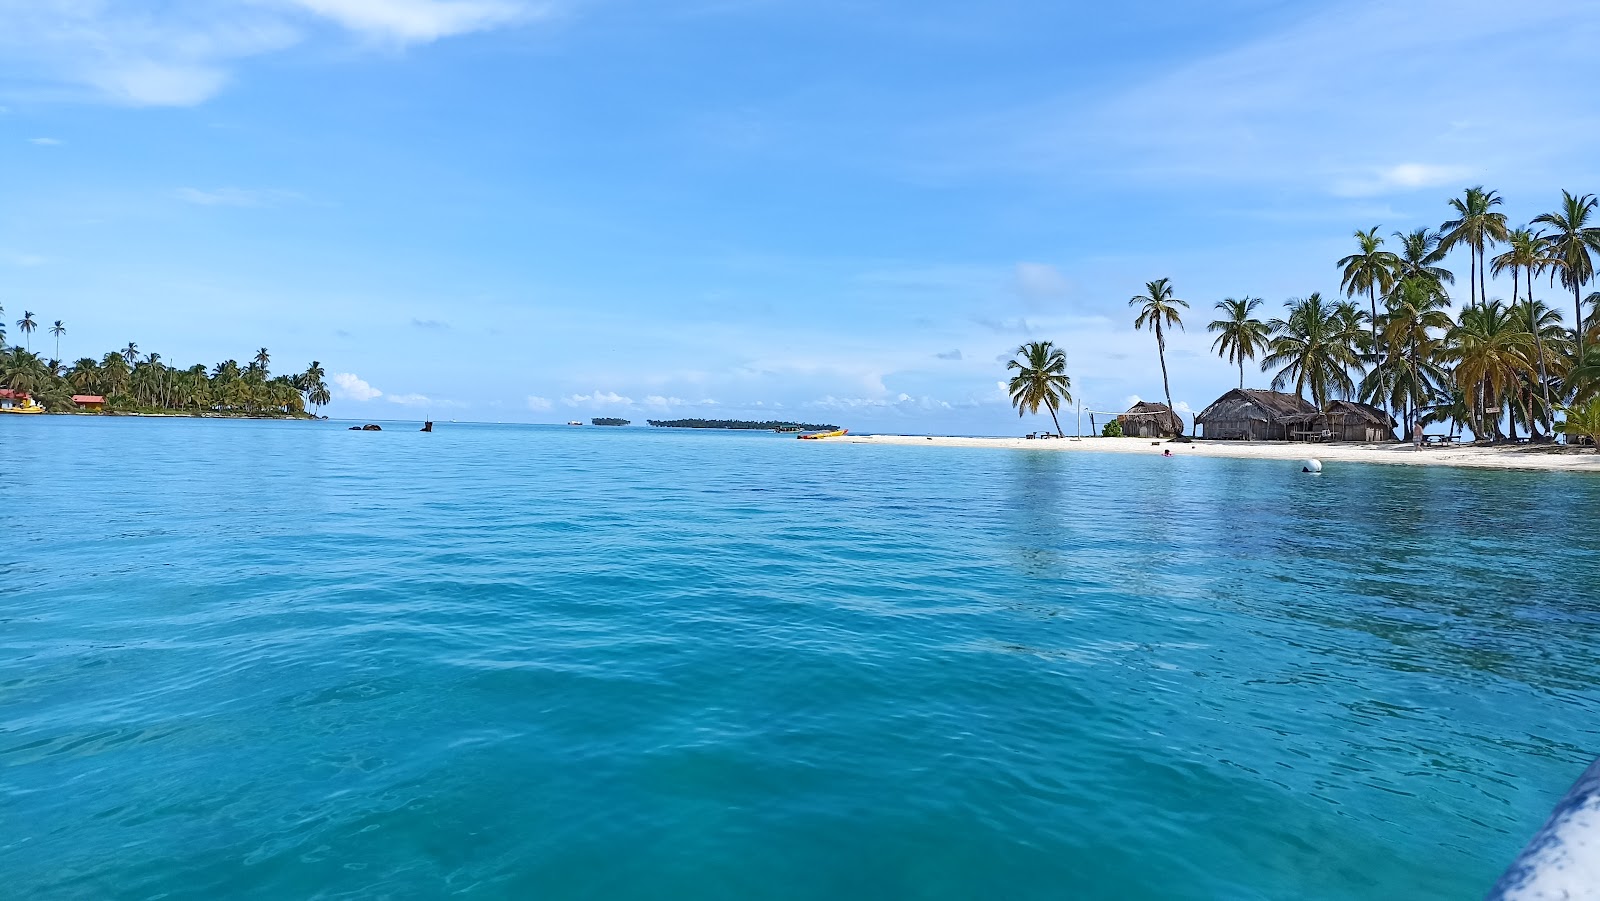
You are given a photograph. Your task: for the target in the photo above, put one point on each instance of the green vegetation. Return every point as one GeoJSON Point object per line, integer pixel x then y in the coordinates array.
{"type": "Point", "coordinates": [134, 382]}
{"type": "Point", "coordinates": [1494, 365]}
{"type": "Point", "coordinates": [769, 426]}
{"type": "Point", "coordinates": [1112, 429]}
{"type": "Point", "coordinates": [1041, 380]}
{"type": "Point", "coordinates": [608, 420]}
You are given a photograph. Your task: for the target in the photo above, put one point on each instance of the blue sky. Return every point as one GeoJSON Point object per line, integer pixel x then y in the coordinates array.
{"type": "Point", "coordinates": [836, 210]}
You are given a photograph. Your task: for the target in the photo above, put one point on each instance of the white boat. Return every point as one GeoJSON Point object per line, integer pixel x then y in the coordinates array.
{"type": "Point", "coordinates": [574, 422]}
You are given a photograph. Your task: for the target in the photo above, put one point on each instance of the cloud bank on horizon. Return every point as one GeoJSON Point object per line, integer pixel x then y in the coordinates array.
{"type": "Point", "coordinates": [541, 210]}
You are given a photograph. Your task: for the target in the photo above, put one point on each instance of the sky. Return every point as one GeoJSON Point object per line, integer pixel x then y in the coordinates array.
{"type": "Point", "coordinates": [838, 211]}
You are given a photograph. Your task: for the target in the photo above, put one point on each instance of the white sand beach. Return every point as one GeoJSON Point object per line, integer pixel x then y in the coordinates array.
{"type": "Point", "coordinates": [1537, 457]}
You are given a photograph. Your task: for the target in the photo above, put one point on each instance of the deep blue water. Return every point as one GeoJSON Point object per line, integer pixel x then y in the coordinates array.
{"type": "Point", "coordinates": [286, 660]}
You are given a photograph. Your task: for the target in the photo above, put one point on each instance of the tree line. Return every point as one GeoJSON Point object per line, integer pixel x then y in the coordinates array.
{"type": "Point", "coordinates": [132, 381]}
{"type": "Point", "coordinates": [1495, 367]}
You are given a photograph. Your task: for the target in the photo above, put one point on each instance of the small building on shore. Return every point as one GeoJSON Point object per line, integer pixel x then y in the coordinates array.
{"type": "Point", "coordinates": [1348, 420]}
{"type": "Point", "coordinates": [89, 403]}
{"type": "Point", "coordinates": [14, 400]}
{"type": "Point", "coordinates": [1147, 419]}
{"type": "Point", "coordinates": [1252, 414]}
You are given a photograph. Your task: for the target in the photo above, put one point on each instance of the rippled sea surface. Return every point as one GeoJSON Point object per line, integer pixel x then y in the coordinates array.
{"type": "Point", "coordinates": [285, 660]}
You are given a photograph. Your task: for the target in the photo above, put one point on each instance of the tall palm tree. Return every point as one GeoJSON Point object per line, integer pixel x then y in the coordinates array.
{"type": "Point", "coordinates": [58, 330]}
{"type": "Point", "coordinates": [114, 373]}
{"type": "Point", "coordinates": [1573, 242]}
{"type": "Point", "coordinates": [1477, 226]}
{"type": "Point", "coordinates": [84, 376]}
{"type": "Point", "coordinates": [262, 359]}
{"type": "Point", "coordinates": [1491, 353]}
{"type": "Point", "coordinates": [1310, 349]}
{"type": "Point", "coordinates": [1041, 380]}
{"type": "Point", "coordinates": [2, 328]}
{"type": "Point", "coordinates": [1158, 308]}
{"type": "Point", "coordinates": [131, 353]}
{"type": "Point", "coordinates": [1240, 335]}
{"type": "Point", "coordinates": [27, 325]}
{"type": "Point", "coordinates": [1420, 256]}
{"type": "Point", "coordinates": [1369, 269]}
{"type": "Point", "coordinates": [1528, 252]}
{"type": "Point", "coordinates": [1414, 321]}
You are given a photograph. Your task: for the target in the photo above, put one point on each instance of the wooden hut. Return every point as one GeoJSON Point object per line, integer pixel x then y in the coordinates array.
{"type": "Point", "coordinates": [1147, 419]}
{"type": "Point", "coordinates": [1250, 414]}
{"type": "Point", "coordinates": [1348, 420]}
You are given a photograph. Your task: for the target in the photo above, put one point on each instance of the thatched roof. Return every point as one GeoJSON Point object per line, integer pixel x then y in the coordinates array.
{"type": "Point", "coordinates": [1356, 411]}
{"type": "Point", "coordinates": [1256, 404]}
{"type": "Point", "coordinates": [1150, 411]}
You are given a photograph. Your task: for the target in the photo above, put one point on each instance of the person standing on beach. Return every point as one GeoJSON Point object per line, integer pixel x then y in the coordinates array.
{"type": "Point", "coordinates": [1416, 435]}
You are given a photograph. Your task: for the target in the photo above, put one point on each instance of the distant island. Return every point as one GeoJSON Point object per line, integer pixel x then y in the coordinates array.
{"type": "Point", "coordinates": [768, 426]}
{"type": "Point", "coordinates": [131, 381]}
{"type": "Point", "coordinates": [608, 420]}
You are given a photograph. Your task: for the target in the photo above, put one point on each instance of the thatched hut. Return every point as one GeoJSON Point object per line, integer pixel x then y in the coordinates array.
{"type": "Point", "coordinates": [1348, 420]}
{"type": "Point", "coordinates": [1250, 414]}
{"type": "Point", "coordinates": [1147, 419]}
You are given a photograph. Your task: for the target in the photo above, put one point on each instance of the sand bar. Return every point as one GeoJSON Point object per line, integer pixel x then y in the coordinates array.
{"type": "Point", "coordinates": [1538, 457]}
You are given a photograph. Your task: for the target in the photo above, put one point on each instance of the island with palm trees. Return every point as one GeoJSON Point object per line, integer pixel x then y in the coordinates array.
{"type": "Point", "coordinates": [1512, 372]}
{"type": "Point", "coordinates": [129, 381]}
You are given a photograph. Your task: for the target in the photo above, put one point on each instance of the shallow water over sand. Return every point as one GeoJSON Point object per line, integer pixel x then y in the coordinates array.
{"type": "Point", "coordinates": [283, 659]}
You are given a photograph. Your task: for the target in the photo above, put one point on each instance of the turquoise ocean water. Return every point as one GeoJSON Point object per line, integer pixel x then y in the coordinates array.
{"type": "Point", "coordinates": [285, 660]}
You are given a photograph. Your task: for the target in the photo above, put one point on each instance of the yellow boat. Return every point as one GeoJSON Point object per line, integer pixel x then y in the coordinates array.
{"type": "Point", "coordinates": [836, 433]}
{"type": "Point", "coordinates": [33, 409]}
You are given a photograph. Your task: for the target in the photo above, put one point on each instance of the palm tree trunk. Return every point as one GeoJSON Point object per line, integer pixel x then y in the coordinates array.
{"type": "Point", "coordinates": [1483, 290]}
{"type": "Point", "coordinates": [1577, 323]}
{"type": "Point", "coordinates": [1059, 433]}
{"type": "Point", "coordinates": [1538, 340]}
{"type": "Point", "coordinates": [1161, 352]}
{"type": "Point", "coordinates": [1241, 373]}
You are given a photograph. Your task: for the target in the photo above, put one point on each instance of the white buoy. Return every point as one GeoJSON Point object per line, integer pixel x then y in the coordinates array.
{"type": "Point", "coordinates": [1313, 466]}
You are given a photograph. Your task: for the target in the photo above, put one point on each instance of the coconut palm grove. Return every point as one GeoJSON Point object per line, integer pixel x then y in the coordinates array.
{"type": "Point", "coordinates": [1502, 367]}
{"type": "Point", "coordinates": [131, 381]}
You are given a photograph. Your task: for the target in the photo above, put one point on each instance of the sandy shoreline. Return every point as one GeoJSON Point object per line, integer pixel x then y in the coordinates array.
{"type": "Point", "coordinates": [1507, 457]}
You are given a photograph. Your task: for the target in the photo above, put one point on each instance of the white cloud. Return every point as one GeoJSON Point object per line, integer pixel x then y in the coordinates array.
{"type": "Point", "coordinates": [181, 52]}
{"type": "Point", "coordinates": [656, 400]}
{"type": "Point", "coordinates": [349, 386]}
{"type": "Point", "coordinates": [1404, 177]}
{"type": "Point", "coordinates": [46, 142]}
{"type": "Point", "coordinates": [949, 355]}
{"type": "Point", "coordinates": [239, 197]}
{"type": "Point", "coordinates": [1040, 281]}
{"type": "Point", "coordinates": [16, 258]}
{"type": "Point", "coordinates": [419, 21]}
{"type": "Point", "coordinates": [598, 398]}
{"type": "Point", "coordinates": [539, 404]}
{"type": "Point", "coordinates": [409, 400]}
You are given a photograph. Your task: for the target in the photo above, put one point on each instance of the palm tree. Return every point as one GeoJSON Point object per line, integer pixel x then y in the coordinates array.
{"type": "Point", "coordinates": [1371, 270]}
{"type": "Point", "coordinates": [1477, 226]}
{"type": "Point", "coordinates": [1041, 380]}
{"type": "Point", "coordinates": [2, 328]}
{"type": "Point", "coordinates": [84, 376]}
{"type": "Point", "coordinates": [1159, 308]}
{"type": "Point", "coordinates": [114, 372]}
{"type": "Point", "coordinates": [262, 359]}
{"type": "Point", "coordinates": [1583, 421]}
{"type": "Point", "coordinates": [1571, 246]}
{"type": "Point", "coordinates": [1311, 349]}
{"type": "Point", "coordinates": [58, 330]}
{"type": "Point", "coordinates": [1414, 319]}
{"type": "Point", "coordinates": [131, 353]}
{"type": "Point", "coordinates": [1528, 252]}
{"type": "Point", "coordinates": [1420, 255]}
{"type": "Point", "coordinates": [27, 325]}
{"type": "Point", "coordinates": [1241, 335]}
{"type": "Point", "coordinates": [1491, 352]}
